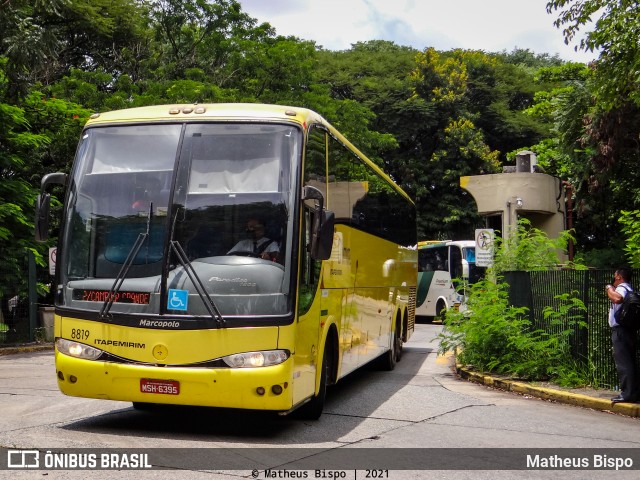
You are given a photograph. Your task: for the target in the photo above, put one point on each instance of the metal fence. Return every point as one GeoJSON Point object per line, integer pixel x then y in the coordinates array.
{"type": "Point", "coordinates": [591, 346]}
{"type": "Point", "coordinates": [14, 319]}
{"type": "Point", "coordinates": [21, 319]}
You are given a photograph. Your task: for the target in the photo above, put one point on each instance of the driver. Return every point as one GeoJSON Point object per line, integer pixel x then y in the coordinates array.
{"type": "Point", "coordinates": [256, 243]}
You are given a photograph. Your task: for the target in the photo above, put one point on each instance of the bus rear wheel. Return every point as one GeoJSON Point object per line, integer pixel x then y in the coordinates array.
{"type": "Point", "coordinates": [388, 360]}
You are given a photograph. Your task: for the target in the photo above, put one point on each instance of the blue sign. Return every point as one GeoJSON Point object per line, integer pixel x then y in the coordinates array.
{"type": "Point", "coordinates": [178, 300]}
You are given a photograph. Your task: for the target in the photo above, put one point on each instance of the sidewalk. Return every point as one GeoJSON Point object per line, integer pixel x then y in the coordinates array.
{"type": "Point", "coordinates": [581, 397]}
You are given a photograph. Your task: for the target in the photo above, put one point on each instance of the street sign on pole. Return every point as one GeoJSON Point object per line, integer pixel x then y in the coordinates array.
{"type": "Point", "coordinates": [484, 247]}
{"type": "Point", "coordinates": [52, 260]}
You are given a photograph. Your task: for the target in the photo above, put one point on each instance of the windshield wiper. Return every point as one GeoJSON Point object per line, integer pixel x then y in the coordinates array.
{"type": "Point", "coordinates": [124, 270]}
{"type": "Point", "coordinates": [197, 283]}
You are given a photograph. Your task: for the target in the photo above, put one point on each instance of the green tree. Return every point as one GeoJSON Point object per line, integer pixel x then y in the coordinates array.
{"type": "Point", "coordinates": [615, 36]}
{"type": "Point", "coordinates": [432, 102]}
{"type": "Point", "coordinates": [44, 39]}
{"type": "Point", "coordinates": [375, 74]}
{"type": "Point", "coordinates": [448, 89]}
{"type": "Point", "coordinates": [17, 143]}
{"type": "Point", "coordinates": [566, 103]}
{"type": "Point", "coordinates": [25, 43]}
{"type": "Point", "coordinates": [596, 116]}
{"type": "Point", "coordinates": [203, 34]}
{"type": "Point", "coordinates": [631, 227]}
{"type": "Point", "coordinates": [269, 68]}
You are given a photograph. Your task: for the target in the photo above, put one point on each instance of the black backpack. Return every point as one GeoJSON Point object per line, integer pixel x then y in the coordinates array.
{"type": "Point", "coordinates": [628, 314]}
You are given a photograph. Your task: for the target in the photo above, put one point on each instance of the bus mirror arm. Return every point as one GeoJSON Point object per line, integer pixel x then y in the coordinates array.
{"type": "Point", "coordinates": [324, 220]}
{"type": "Point", "coordinates": [43, 203]}
{"type": "Point", "coordinates": [312, 193]}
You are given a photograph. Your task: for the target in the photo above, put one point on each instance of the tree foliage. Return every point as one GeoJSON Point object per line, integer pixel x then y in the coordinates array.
{"type": "Point", "coordinates": [595, 119]}
{"type": "Point", "coordinates": [472, 104]}
{"type": "Point", "coordinates": [16, 193]}
{"type": "Point", "coordinates": [615, 33]}
{"type": "Point", "coordinates": [426, 116]}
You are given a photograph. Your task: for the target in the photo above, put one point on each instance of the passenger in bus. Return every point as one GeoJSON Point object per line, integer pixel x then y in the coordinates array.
{"type": "Point", "coordinates": [256, 244]}
{"type": "Point", "coordinates": [141, 199]}
{"type": "Point", "coordinates": [145, 193]}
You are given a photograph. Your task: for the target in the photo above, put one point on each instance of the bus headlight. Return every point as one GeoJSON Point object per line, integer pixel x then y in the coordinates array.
{"type": "Point", "coordinates": [265, 358]}
{"type": "Point", "coordinates": [78, 350]}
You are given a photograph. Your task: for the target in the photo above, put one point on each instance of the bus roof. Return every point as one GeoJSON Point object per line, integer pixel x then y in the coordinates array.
{"type": "Point", "coordinates": [443, 243]}
{"type": "Point", "coordinates": [431, 243]}
{"type": "Point", "coordinates": [208, 111]}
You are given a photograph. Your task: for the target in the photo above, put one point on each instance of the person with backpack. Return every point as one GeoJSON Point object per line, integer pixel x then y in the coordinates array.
{"type": "Point", "coordinates": [623, 339]}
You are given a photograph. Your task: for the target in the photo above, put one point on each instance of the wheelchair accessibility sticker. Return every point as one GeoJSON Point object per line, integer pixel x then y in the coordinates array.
{"type": "Point", "coordinates": [178, 300]}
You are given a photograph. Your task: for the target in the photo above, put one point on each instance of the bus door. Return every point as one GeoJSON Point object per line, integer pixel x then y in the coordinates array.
{"type": "Point", "coordinates": [456, 269]}
{"type": "Point", "coordinates": [308, 341]}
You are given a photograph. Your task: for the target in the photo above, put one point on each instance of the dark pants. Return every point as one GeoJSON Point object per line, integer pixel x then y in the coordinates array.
{"type": "Point", "coordinates": [624, 354]}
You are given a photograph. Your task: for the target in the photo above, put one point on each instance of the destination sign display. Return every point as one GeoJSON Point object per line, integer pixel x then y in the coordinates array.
{"type": "Point", "coordinates": [140, 298]}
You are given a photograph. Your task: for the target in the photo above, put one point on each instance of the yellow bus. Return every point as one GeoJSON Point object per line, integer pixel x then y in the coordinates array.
{"type": "Point", "coordinates": [166, 292]}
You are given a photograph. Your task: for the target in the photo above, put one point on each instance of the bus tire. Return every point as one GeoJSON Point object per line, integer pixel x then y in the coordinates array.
{"type": "Point", "coordinates": [389, 359]}
{"type": "Point", "coordinates": [426, 318]}
{"type": "Point", "coordinates": [441, 311]}
{"type": "Point", "coordinates": [312, 410]}
{"type": "Point", "coordinates": [399, 347]}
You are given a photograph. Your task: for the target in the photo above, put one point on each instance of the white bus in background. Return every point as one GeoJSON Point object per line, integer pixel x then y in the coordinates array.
{"type": "Point", "coordinates": [440, 261]}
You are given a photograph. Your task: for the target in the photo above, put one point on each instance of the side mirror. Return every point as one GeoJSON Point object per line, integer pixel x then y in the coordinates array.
{"type": "Point", "coordinates": [322, 241]}
{"type": "Point", "coordinates": [323, 224]}
{"type": "Point", "coordinates": [43, 203]}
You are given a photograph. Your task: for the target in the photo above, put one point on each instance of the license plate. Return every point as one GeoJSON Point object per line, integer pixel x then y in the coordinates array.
{"type": "Point", "coordinates": [160, 387]}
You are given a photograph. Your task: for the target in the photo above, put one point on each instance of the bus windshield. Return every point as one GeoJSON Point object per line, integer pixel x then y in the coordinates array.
{"type": "Point", "coordinates": [221, 193]}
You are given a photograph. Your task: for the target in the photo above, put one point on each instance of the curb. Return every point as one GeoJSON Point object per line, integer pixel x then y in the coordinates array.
{"type": "Point", "coordinates": [628, 409]}
{"type": "Point", "coordinates": [25, 348]}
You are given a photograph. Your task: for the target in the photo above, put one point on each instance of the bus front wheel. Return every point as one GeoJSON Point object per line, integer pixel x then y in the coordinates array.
{"type": "Point", "coordinates": [312, 410]}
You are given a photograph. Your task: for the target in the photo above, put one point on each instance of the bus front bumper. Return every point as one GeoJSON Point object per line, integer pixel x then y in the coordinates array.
{"type": "Point", "coordinates": [263, 388]}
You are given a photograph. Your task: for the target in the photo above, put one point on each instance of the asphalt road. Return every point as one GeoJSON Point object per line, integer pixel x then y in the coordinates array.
{"type": "Point", "coordinates": [419, 416]}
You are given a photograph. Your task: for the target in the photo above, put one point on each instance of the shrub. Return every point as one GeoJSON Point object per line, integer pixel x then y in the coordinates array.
{"type": "Point", "coordinates": [490, 334]}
